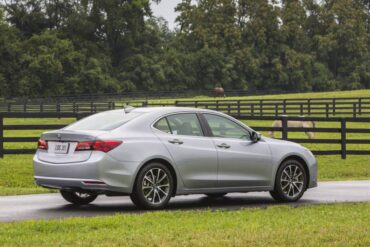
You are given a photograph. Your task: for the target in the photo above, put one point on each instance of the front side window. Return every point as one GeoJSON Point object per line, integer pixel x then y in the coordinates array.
{"type": "Point", "coordinates": [108, 120]}
{"type": "Point", "coordinates": [225, 128]}
{"type": "Point", "coordinates": [180, 124]}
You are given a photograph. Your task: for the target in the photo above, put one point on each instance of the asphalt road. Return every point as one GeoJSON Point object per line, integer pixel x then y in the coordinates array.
{"type": "Point", "coordinates": [47, 206]}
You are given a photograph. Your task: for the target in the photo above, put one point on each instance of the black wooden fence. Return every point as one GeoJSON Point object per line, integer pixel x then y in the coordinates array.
{"type": "Point", "coordinates": [5, 139]}
{"type": "Point", "coordinates": [285, 130]}
{"type": "Point", "coordinates": [353, 107]}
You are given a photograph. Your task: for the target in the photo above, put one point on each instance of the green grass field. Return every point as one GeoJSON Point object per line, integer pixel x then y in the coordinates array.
{"type": "Point", "coordinates": [319, 225]}
{"type": "Point", "coordinates": [16, 174]}
{"type": "Point", "coordinates": [338, 94]}
{"type": "Point", "coordinates": [16, 170]}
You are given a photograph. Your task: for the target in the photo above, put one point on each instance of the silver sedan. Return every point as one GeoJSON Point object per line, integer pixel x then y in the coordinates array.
{"type": "Point", "coordinates": [153, 154]}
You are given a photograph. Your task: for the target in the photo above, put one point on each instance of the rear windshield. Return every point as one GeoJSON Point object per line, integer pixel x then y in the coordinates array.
{"type": "Point", "coordinates": [104, 121]}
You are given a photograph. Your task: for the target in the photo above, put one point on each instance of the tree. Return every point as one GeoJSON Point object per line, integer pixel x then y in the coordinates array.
{"type": "Point", "coordinates": [53, 67]}
{"type": "Point", "coordinates": [63, 47]}
{"type": "Point", "coordinates": [344, 44]}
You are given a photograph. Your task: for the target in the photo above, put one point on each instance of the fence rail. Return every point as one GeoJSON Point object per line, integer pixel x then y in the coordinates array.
{"type": "Point", "coordinates": [353, 107]}
{"type": "Point", "coordinates": [343, 130]}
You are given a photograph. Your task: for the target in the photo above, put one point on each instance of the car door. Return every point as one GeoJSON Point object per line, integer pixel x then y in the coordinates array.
{"type": "Point", "coordinates": [193, 152]}
{"type": "Point", "coordinates": [241, 162]}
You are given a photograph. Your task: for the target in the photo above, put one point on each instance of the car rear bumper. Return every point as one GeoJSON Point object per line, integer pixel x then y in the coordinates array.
{"type": "Point", "coordinates": [101, 173]}
{"type": "Point", "coordinates": [73, 184]}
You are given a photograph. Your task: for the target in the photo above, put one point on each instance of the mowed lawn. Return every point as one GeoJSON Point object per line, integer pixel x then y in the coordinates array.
{"type": "Point", "coordinates": [16, 170]}
{"type": "Point", "coordinates": [16, 174]}
{"type": "Point", "coordinates": [333, 94]}
{"type": "Point", "coordinates": [318, 225]}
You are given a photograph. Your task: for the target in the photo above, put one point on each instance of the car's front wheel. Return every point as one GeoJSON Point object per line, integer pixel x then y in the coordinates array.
{"type": "Point", "coordinates": [78, 198]}
{"type": "Point", "coordinates": [153, 187]}
{"type": "Point", "coordinates": [290, 182]}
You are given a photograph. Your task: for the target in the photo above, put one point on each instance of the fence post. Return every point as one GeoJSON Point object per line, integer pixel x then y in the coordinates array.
{"type": "Point", "coordinates": [327, 110]}
{"type": "Point", "coordinates": [25, 107]}
{"type": "Point", "coordinates": [9, 107]}
{"type": "Point", "coordinates": [239, 108]}
{"type": "Point", "coordinates": [284, 124]}
{"type": "Point", "coordinates": [309, 107]}
{"type": "Point", "coordinates": [276, 109]}
{"type": "Point", "coordinates": [301, 109]}
{"type": "Point", "coordinates": [354, 110]}
{"type": "Point", "coordinates": [58, 107]}
{"type": "Point", "coordinates": [252, 109]}
{"type": "Point", "coordinates": [78, 116]}
{"type": "Point", "coordinates": [343, 138]}
{"type": "Point", "coordinates": [334, 103]}
{"type": "Point", "coordinates": [360, 106]}
{"type": "Point", "coordinates": [42, 107]}
{"type": "Point", "coordinates": [284, 106]}
{"type": "Point", "coordinates": [261, 107]}
{"type": "Point", "coordinates": [74, 107]}
{"type": "Point", "coordinates": [1, 136]}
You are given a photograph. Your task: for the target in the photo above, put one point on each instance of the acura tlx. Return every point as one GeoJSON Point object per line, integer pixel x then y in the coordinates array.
{"type": "Point", "coordinates": [153, 154]}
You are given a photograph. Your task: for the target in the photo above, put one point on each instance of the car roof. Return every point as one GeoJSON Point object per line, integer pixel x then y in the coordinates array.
{"type": "Point", "coordinates": [170, 109]}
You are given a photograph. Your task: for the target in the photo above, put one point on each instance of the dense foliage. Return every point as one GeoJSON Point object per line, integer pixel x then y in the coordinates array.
{"type": "Point", "coordinates": [50, 47]}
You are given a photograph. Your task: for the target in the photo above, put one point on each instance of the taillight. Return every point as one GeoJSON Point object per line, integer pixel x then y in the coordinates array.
{"type": "Point", "coordinates": [42, 144]}
{"type": "Point", "coordinates": [81, 146]}
{"type": "Point", "coordinates": [104, 146]}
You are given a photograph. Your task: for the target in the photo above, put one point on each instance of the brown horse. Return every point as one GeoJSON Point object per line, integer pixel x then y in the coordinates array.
{"type": "Point", "coordinates": [295, 124]}
{"type": "Point", "coordinates": [219, 92]}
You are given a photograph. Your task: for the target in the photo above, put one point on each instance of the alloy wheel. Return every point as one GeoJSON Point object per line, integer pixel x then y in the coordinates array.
{"type": "Point", "coordinates": [156, 186]}
{"type": "Point", "coordinates": [292, 180]}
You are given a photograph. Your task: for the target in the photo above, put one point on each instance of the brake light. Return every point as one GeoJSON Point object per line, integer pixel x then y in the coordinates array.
{"type": "Point", "coordinates": [81, 146]}
{"type": "Point", "coordinates": [104, 146]}
{"type": "Point", "coordinates": [42, 144]}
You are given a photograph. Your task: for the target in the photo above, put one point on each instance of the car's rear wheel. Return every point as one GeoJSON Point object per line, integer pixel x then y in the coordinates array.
{"type": "Point", "coordinates": [290, 182]}
{"type": "Point", "coordinates": [216, 195]}
{"type": "Point", "coordinates": [153, 187]}
{"type": "Point", "coordinates": [78, 198]}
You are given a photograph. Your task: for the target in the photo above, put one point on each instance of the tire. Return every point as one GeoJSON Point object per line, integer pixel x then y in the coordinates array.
{"type": "Point", "coordinates": [290, 188]}
{"type": "Point", "coordinates": [78, 198]}
{"type": "Point", "coordinates": [153, 188]}
{"type": "Point", "coordinates": [216, 195]}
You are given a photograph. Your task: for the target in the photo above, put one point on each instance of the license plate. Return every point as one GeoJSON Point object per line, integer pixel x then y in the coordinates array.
{"type": "Point", "coordinates": [61, 147]}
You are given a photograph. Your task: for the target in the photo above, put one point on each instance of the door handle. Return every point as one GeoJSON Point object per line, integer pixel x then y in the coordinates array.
{"type": "Point", "coordinates": [223, 145]}
{"type": "Point", "coordinates": [176, 141]}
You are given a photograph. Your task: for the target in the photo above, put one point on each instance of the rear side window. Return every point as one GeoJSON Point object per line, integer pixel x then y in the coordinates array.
{"type": "Point", "coordinates": [162, 125]}
{"type": "Point", "coordinates": [104, 121]}
{"type": "Point", "coordinates": [180, 124]}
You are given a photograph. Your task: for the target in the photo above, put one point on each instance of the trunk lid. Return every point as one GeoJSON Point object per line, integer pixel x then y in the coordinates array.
{"type": "Point", "coordinates": [62, 145]}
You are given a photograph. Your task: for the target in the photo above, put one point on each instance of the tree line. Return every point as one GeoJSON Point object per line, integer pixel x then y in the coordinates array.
{"type": "Point", "coordinates": [58, 47]}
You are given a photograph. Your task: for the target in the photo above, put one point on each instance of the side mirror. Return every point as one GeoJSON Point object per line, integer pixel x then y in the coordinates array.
{"type": "Point", "coordinates": [255, 136]}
